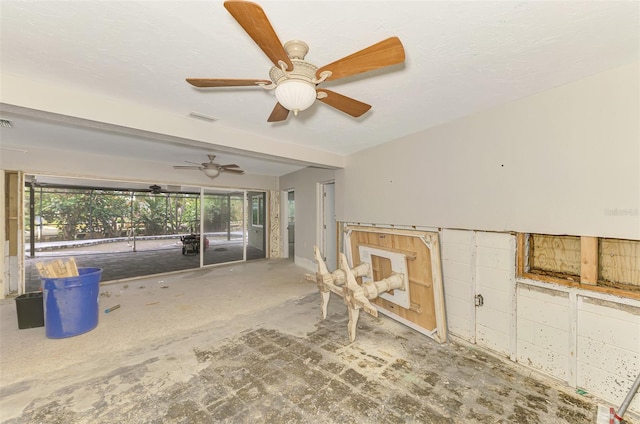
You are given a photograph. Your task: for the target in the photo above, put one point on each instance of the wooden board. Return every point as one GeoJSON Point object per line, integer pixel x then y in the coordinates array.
{"type": "Point", "coordinates": [559, 254]}
{"type": "Point", "coordinates": [620, 261]}
{"type": "Point", "coordinates": [589, 260]}
{"type": "Point", "coordinates": [424, 272]}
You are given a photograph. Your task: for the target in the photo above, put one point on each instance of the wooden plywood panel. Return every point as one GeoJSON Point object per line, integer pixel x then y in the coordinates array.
{"type": "Point", "coordinates": [425, 288]}
{"type": "Point", "coordinates": [620, 261]}
{"type": "Point", "coordinates": [556, 254]}
{"type": "Point", "coordinates": [589, 261]}
{"type": "Point", "coordinates": [380, 267]}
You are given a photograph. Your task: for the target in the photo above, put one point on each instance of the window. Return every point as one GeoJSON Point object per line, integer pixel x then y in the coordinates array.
{"type": "Point", "coordinates": [601, 264]}
{"type": "Point", "coordinates": [257, 211]}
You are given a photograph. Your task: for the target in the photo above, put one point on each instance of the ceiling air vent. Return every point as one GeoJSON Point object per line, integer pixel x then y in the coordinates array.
{"type": "Point", "coordinates": [5, 123]}
{"type": "Point", "coordinates": [202, 116]}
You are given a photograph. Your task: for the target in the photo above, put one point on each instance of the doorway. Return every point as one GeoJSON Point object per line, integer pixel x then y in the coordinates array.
{"type": "Point", "coordinates": [329, 239]}
{"type": "Point", "coordinates": [134, 231]}
{"type": "Point", "coordinates": [256, 223]}
{"type": "Point", "coordinates": [223, 227]}
{"type": "Point", "coordinates": [290, 212]}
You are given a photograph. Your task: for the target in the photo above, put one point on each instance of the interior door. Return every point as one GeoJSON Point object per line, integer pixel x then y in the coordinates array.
{"type": "Point", "coordinates": [329, 234]}
{"type": "Point", "coordinates": [495, 291]}
{"type": "Point", "coordinates": [256, 224]}
{"type": "Point", "coordinates": [291, 224]}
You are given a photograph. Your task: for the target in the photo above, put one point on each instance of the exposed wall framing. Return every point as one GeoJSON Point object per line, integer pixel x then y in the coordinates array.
{"type": "Point", "coordinates": [423, 263]}
{"type": "Point", "coordinates": [620, 261]}
{"type": "Point", "coordinates": [605, 265]}
{"type": "Point", "coordinates": [555, 253]}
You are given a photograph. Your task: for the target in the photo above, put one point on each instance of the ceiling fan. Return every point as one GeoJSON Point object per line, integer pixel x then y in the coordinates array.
{"type": "Point", "coordinates": [212, 169]}
{"type": "Point", "coordinates": [155, 189]}
{"type": "Point", "coordinates": [294, 79]}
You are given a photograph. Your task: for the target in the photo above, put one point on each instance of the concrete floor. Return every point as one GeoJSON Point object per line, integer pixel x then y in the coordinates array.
{"type": "Point", "coordinates": [152, 256]}
{"type": "Point", "coordinates": [244, 343]}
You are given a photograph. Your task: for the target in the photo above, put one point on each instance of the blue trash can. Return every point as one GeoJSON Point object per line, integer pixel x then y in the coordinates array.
{"type": "Point", "coordinates": [71, 303]}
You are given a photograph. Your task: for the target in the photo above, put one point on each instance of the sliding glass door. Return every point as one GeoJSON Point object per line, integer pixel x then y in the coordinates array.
{"type": "Point", "coordinates": [223, 226]}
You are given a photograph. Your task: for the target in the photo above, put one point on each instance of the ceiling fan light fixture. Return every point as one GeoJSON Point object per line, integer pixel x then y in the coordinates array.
{"type": "Point", "coordinates": [295, 94]}
{"type": "Point", "coordinates": [211, 172]}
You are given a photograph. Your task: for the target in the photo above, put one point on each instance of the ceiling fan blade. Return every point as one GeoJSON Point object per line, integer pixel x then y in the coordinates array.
{"type": "Point", "coordinates": [225, 82]}
{"type": "Point", "coordinates": [233, 165]}
{"type": "Point", "coordinates": [385, 53]}
{"type": "Point", "coordinates": [186, 167]}
{"type": "Point", "coordinates": [345, 104]}
{"type": "Point", "coordinates": [233, 171]}
{"type": "Point", "coordinates": [255, 22]}
{"type": "Point", "coordinates": [279, 113]}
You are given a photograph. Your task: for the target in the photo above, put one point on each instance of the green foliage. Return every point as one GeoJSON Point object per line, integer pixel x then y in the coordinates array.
{"type": "Point", "coordinates": [220, 210]}
{"type": "Point", "coordinates": [109, 213]}
{"type": "Point", "coordinates": [83, 213]}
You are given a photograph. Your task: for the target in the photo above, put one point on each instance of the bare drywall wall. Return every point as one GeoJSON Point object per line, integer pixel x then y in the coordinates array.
{"type": "Point", "coordinates": [83, 165]}
{"type": "Point", "coordinates": [305, 183]}
{"type": "Point", "coordinates": [566, 161]}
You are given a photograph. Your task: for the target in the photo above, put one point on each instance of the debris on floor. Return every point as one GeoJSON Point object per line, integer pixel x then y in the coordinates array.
{"type": "Point", "coordinates": [113, 308]}
{"type": "Point", "coordinates": [263, 374]}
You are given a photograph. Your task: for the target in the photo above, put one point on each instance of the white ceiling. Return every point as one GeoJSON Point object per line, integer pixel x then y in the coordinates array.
{"type": "Point", "coordinates": [461, 57]}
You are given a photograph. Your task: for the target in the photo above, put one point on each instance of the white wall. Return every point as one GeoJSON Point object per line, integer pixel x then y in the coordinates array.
{"type": "Point", "coordinates": [586, 339]}
{"type": "Point", "coordinates": [459, 276]}
{"type": "Point", "coordinates": [544, 330]}
{"type": "Point", "coordinates": [606, 362]}
{"type": "Point", "coordinates": [566, 161]}
{"type": "Point", "coordinates": [495, 282]}
{"type": "Point", "coordinates": [306, 182]}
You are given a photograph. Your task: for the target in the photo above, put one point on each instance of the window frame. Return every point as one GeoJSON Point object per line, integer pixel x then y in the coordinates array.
{"type": "Point", "coordinates": [257, 220]}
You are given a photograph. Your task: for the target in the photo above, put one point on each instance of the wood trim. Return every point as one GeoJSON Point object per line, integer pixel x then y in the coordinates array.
{"type": "Point", "coordinates": [589, 260]}
{"type": "Point", "coordinates": [520, 253]}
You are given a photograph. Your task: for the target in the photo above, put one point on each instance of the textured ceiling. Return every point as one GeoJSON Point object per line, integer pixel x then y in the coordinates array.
{"type": "Point", "coordinates": [461, 57]}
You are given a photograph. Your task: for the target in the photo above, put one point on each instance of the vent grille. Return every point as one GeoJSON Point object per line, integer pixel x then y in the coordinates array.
{"type": "Point", "coordinates": [202, 116]}
{"type": "Point", "coordinates": [5, 123]}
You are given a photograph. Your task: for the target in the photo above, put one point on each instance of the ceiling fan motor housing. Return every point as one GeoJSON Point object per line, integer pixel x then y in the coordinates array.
{"type": "Point", "coordinates": [302, 70]}
{"type": "Point", "coordinates": [302, 76]}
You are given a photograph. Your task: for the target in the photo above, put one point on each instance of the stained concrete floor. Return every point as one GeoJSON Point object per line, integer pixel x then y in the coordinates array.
{"type": "Point", "coordinates": [245, 344]}
{"type": "Point", "coordinates": [152, 256]}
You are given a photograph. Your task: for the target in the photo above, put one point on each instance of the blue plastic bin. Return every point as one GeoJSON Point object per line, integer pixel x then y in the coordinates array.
{"type": "Point", "coordinates": [71, 303]}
